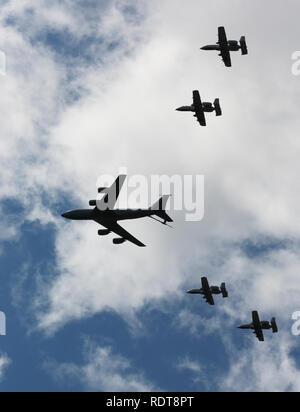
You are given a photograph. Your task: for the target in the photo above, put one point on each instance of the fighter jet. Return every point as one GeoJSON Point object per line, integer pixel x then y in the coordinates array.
{"type": "Point", "coordinates": [108, 217]}
{"type": "Point", "coordinates": [259, 326]}
{"type": "Point", "coordinates": [200, 108]}
{"type": "Point", "coordinates": [208, 291]}
{"type": "Point", "coordinates": [225, 47]}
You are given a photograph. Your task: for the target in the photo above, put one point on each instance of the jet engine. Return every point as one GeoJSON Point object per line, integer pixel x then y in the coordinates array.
{"type": "Point", "coordinates": [215, 290]}
{"type": "Point", "coordinates": [119, 241]}
{"type": "Point", "coordinates": [207, 105]}
{"type": "Point", "coordinates": [103, 232]}
{"type": "Point", "coordinates": [92, 203]}
{"type": "Point", "coordinates": [265, 324]}
{"type": "Point", "coordinates": [234, 45]}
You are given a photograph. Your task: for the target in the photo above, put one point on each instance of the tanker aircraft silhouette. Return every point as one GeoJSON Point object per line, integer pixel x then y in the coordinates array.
{"type": "Point", "coordinates": [108, 217]}
{"type": "Point", "coordinates": [225, 47]}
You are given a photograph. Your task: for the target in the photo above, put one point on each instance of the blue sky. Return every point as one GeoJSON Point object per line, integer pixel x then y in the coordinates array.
{"type": "Point", "coordinates": [92, 86]}
{"type": "Point", "coordinates": [156, 349]}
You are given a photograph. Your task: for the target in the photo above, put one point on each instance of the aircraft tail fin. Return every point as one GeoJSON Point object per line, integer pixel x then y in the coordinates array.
{"type": "Point", "coordinates": [218, 107]}
{"type": "Point", "coordinates": [159, 208]}
{"type": "Point", "coordinates": [274, 325]}
{"type": "Point", "coordinates": [224, 290]}
{"type": "Point", "coordinates": [244, 47]}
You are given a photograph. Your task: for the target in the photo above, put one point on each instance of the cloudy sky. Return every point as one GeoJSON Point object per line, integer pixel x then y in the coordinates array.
{"type": "Point", "coordinates": [91, 86]}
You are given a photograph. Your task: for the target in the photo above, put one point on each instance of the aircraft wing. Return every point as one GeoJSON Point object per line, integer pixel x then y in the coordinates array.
{"type": "Point", "coordinates": [223, 42]}
{"type": "Point", "coordinates": [118, 230]}
{"type": "Point", "coordinates": [257, 327]}
{"type": "Point", "coordinates": [207, 292]}
{"type": "Point", "coordinates": [197, 103]}
{"type": "Point", "coordinates": [111, 194]}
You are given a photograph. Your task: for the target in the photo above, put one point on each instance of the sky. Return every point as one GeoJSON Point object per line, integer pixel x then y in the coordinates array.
{"type": "Point", "coordinates": [90, 88]}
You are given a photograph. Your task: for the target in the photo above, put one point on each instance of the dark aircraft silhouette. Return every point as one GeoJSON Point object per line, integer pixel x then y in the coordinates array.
{"type": "Point", "coordinates": [208, 291]}
{"type": "Point", "coordinates": [200, 108]}
{"type": "Point", "coordinates": [225, 47]}
{"type": "Point", "coordinates": [105, 214]}
{"type": "Point", "coordinates": [259, 326]}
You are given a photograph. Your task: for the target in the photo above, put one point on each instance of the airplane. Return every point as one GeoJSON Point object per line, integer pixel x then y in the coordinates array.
{"type": "Point", "coordinates": [225, 47]}
{"type": "Point", "coordinates": [259, 326]}
{"type": "Point", "coordinates": [208, 291]}
{"type": "Point", "coordinates": [200, 108]}
{"type": "Point", "coordinates": [108, 217]}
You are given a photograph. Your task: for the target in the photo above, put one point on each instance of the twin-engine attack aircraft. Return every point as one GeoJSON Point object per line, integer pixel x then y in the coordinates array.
{"type": "Point", "coordinates": [200, 108]}
{"type": "Point", "coordinates": [208, 291]}
{"type": "Point", "coordinates": [259, 326]}
{"type": "Point", "coordinates": [108, 217]}
{"type": "Point", "coordinates": [225, 47]}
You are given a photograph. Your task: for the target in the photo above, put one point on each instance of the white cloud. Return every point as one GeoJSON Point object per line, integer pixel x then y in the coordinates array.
{"type": "Point", "coordinates": [188, 364]}
{"type": "Point", "coordinates": [263, 368]}
{"type": "Point", "coordinates": [107, 285]}
{"type": "Point", "coordinates": [258, 367]}
{"type": "Point", "coordinates": [5, 362]}
{"type": "Point", "coordinates": [126, 117]}
{"type": "Point", "coordinates": [196, 324]}
{"type": "Point", "coordinates": [103, 371]}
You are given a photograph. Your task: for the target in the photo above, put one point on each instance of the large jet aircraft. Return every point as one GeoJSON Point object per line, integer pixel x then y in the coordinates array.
{"type": "Point", "coordinates": [225, 47]}
{"type": "Point", "coordinates": [200, 108]}
{"type": "Point", "coordinates": [108, 217]}
{"type": "Point", "coordinates": [208, 291]}
{"type": "Point", "coordinates": [257, 326]}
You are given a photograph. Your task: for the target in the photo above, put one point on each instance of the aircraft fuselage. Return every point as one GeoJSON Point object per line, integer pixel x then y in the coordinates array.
{"type": "Point", "coordinates": [232, 46]}
{"type": "Point", "coordinates": [214, 290]}
{"type": "Point", "coordinates": [111, 215]}
{"type": "Point", "coordinates": [264, 325]}
{"type": "Point", "coordinates": [206, 106]}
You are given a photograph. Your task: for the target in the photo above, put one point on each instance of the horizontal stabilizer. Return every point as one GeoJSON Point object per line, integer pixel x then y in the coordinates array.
{"type": "Point", "coordinates": [224, 290]}
{"type": "Point", "coordinates": [218, 107]}
{"type": "Point", "coordinates": [244, 47]}
{"type": "Point", "coordinates": [274, 325]}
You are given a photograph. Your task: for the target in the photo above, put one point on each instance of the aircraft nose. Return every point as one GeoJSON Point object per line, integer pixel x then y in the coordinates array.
{"type": "Point", "coordinates": [64, 215]}
{"type": "Point", "coordinates": [179, 109]}
{"type": "Point", "coordinates": [194, 292]}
